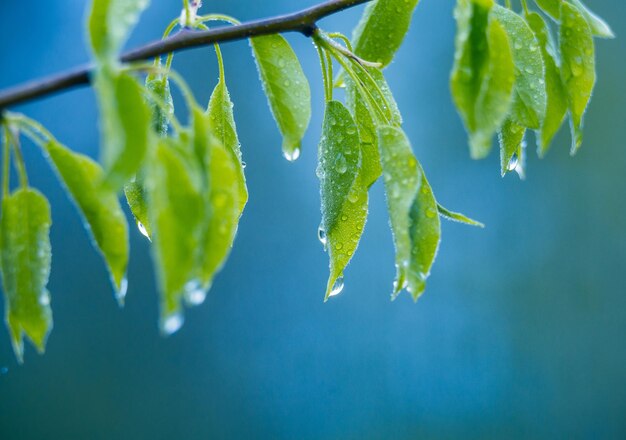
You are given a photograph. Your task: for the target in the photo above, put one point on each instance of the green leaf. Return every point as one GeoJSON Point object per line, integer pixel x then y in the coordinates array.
{"type": "Point", "coordinates": [160, 86]}
{"type": "Point", "coordinates": [342, 192]}
{"type": "Point", "coordinates": [483, 73]}
{"type": "Point", "coordinates": [126, 127]}
{"type": "Point", "coordinates": [109, 24]}
{"type": "Point", "coordinates": [529, 96]}
{"type": "Point", "coordinates": [599, 27]}
{"type": "Point", "coordinates": [25, 260]}
{"type": "Point", "coordinates": [556, 107]}
{"type": "Point", "coordinates": [367, 122]}
{"type": "Point", "coordinates": [511, 137]}
{"type": "Point", "coordinates": [412, 209]}
{"type": "Point", "coordinates": [176, 204]}
{"type": "Point", "coordinates": [382, 29]}
{"type": "Point", "coordinates": [578, 68]}
{"type": "Point", "coordinates": [458, 217]}
{"type": "Point", "coordinates": [137, 200]}
{"type": "Point", "coordinates": [223, 127]}
{"type": "Point", "coordinates": [100, 208]}
{"type": "Point", "coordinates": [286, 87]}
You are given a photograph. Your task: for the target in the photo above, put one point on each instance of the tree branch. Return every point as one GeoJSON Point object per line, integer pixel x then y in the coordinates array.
{"type": "Point", "coordinates": [303, 21]}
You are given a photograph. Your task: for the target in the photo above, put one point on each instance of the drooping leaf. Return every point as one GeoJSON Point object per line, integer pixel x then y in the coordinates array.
{"type": "Point", "coordinates": [109, 24]}
{"type": "Point", "coordinates": [126, 126]}
{"type": "Point", "coordinates": [458, 217]}
{"type": "Point", "coordinates": [556, 107]}
{"type": "Point", "coordinates": [578, 67]}
{"type": "Point", "coordinates": [286, 87]}
{"type": "Point", "coordinates": [511, 137]}
{"type": "Point", "coordinates": [160, 86]}
{"type": "Point", "coordinates": [382, 29]}
{"type": "Point", "coordinates": [99, 207]}
{"type": "Point", "coordinates": [483, 73]}
{"type": "Point", "coordinates": [599, 27]}
{"type": "Point", "coordinates": [177, 210]}
{"type": "Point", "coordinates": [223, 127]}
{"type": "Point", "coordinates": [343, 194]}
{"type": "Point", "coordinates": [367, 123]}
{"type": "Point", "coordinates": [529, 96]}
{"type": "Point", "coordinates": [137, 200]}
{"type": "Point", "coordinates": [25, 260]}
{"type": "Point", "coordinates": [412, 209]}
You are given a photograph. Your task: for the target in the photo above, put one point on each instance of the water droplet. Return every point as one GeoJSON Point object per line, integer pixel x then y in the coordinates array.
{"type": "Point", "coordinates": [293, 155]}
{"type": "Point", "coordinates": [281, 63]}
{"type": "Point", "coordinates": [143, 230]}
{"type": "Point", "coordinates": [286, 83]}
{"type": "Point", "coordinates": [513, 163]}
{"type": "Point", "coordinates": [344, 217]}
{"type": "Point", "coordinates": [243, 164]}
{"type": "Point", "coordinates": [172, 323]}
{"type": "Point", "coordinates": [120, 295]}
{"type": "Point", "coordinates": [353, 196]}
{"type": "Point", "coordinates": [340, 164]}
{"type": "Point", "coordinates": [321, 236]}
{"type": "Point", "coordinates": [195, 294]}
{"type": "Point", "coordinates": [339, 246]}
{"type": "Point", "coordinates": [529, 70]}
{"type": "Point", "coordinates": [337, 287]}
{"type": "Point", "coordinates": [430, 213]}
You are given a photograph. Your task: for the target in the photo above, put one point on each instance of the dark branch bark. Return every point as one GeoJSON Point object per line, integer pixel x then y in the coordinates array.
{"type": "Point", "coordinates": [303, 22]}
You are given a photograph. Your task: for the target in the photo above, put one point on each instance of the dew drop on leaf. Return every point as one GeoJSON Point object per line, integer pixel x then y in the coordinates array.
{"type": "Point", "coordinates": [195, 294]}
{"type": "Point", "coordinates": [337, 287]}
{"type": "Point", "coordinates": [173, 323]}
{"type": "Point", "coordinates": [143, 230]}
{"type": "Point", "coordinates": [321, 235]}
{"type": "Point", "coordinates": [293, 155]}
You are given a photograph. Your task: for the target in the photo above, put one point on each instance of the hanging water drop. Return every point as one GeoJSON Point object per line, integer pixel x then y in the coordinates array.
{"type": "Point", "coordinates": [292, 156]}
{"type": "Point", "coordinates": [337, 287]}
{"type": "Point", "coordinates": [172, 324]}
{"type": "Point", "coordinates": [513, 163]}
{"type": "Point", "coordinates": [120, 294]}
{"type": "Point", "coordinates": [195, 294]}
{"type": "Point", "coordinates": [321, 236]}
{"type": "Point", "coordinates": [143, 230]}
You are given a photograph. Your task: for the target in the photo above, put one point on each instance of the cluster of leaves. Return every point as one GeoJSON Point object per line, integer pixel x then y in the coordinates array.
{"type": "Point", "coordinates": [185, 183]}
{"type": "Point", "coordinates": [511, 76]}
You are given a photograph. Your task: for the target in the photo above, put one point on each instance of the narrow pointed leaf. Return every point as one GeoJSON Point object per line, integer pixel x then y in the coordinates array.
{"type": "Point", "coordinates": [529, 97]}
{"type": "Point", "coordinates": [458, 217]}
{"type": "Point", "coordinates": [25, 260]}
{"type": "Point", "coordinates": [223, 127]}
{"type": "Point", "coordinates": [382, 29]}
{"type": "Point", "coordinates": [160, 86]}
{"type": "Point", "coordinates": [599, 27]}
{"type": "Point", "coordinates": [578, 67]}
{"type": "Point", "coordinates": [343, 194]}
{"type": "Point", "coordinates": [511, 137]}
{"type": "Point", "coordinates": [137, 200]}
{"type": "Point", "coordinates": [286, 87]}
{"type": "Point", "coordinates": [483, 74]}
{"type": "Point", "coordinates": [100, 209]}
{"type": "Point", "coordinates": [556, 107]}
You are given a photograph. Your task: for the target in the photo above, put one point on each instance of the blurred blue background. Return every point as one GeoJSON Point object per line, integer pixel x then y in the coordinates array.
{"type": "Point", "coordinates": [521, 333]}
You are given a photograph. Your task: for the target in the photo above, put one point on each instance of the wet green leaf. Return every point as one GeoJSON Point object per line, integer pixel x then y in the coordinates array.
{"type": "Point", "coordinates": [137, 200]}
{"type": "Point", "coordinates": [177, 208]}
{"type": "Point", "coordinates": [529, 96]}
{"type": "Point", "coordinates": [160, 86]}
{"type": "Point", "coordinates": [412, 209]}
{"type": "Point", "coordinates": [286, 87]}
{"type": "Point", "coordinates": [25, 260]}
{"type": "Point", "coordinates": [382, 29]}
{"type": "Point", "coordinates": [556, 108]}
{"type": "Point", "coordinates": [100, 208]}
{"type": "Point", "coordinates": [109, 24]}
{"type": "Point", "coordinates": [343, 194]}
{"type": "Point", "coordinates": [223, 127]}
{"type": "Point", "coordinates": [367, 122]}
{"type": "Point", "coordinates": [511, 137]}
{"type": "Point", "coordinates": [483, 73]}
{"type": "Point", "coordinates": [578, 69]}
{"type": "Point", "coordinates": [126, 126]}
{"type": "Point", "coordinates": [599, 27]}
{"type": "Point", "coordinates": [458, 217]}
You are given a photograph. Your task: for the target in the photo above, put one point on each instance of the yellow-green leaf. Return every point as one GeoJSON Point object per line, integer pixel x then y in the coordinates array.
{"type": "Point", "coordinates": [599, 27]}
{"type": "Point", "coordinates": [99, 207]}
{"type": "Point", "coordinates": [511, 137]}
{"type": "Point", "coordinates": [25, 260]}
{"type": "Point", "coordinates": [160, 86]}
{"type": "Point", "coordinates": [382, 29]}
{"type": "Point", "coordinates": [343, 194]}
{"type": "Point", "coordinates": [286, 87]}
{"type": "Point", "coordinates": [458, 217]}
{"type": "Point", "coordinates": [137, 200]}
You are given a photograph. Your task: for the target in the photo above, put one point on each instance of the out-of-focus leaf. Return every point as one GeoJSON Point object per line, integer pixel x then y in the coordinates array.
{"type": "Point", "coordinates": [458, 217]}
{"type": "Point", "coordinates": [483, 73]}
{"type": "Point", "coordinates": [578, 67]}
{"type": "Point", "coordinates": [413, 212]}
{"type": "Point", "coordinates": [126, 126]}
{"type": "Point", "coordinates": [511, 137]}
{"type": "Point", "coordinates": [109, 24]}
{"type": "Point", "coordinates": [286, 87]}
{"type": "Point", "coordinates": [160, 86]}
{"type": "Point", "coordinates": [556, 108]}
{"type": "Point", "coordinates": [599, 27]}
{"type": "Point", "coordinates": [223, 127]}
{"type": "Point", "coordinates": [99, 207]}
{"type": "Point", "coordinates": [382, 29]}
{"type": "Point", "coordinates": [343, 194]}
{"type": "Point", "coordinates": [529, 96]}
{"type": "Point", "coordinates": [177, 208]}
{"type": "Point", "coordinates": [137, 200]}
{"type": "Point", "coordinates": [367, 123]}
{"type": "Point", "coordinates": [25, 260]}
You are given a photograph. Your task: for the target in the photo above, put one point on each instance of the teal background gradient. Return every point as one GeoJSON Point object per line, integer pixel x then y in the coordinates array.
{"type": "Point", "coordinates": [521, 333]}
